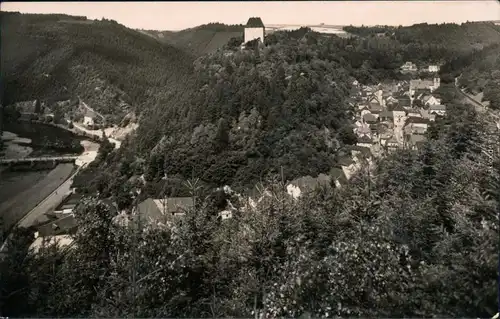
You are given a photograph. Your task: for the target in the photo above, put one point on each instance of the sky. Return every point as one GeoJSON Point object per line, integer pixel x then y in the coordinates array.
{"type": "Point", "coordinates": [182, 15]}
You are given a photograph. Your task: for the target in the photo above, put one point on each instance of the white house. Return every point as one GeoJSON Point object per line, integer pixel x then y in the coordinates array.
{"type": "Point", "coordinates": [430, 85]}
{"type": "Point", "coordinates": [88, 121]}
{"type": "Point", "coordinates": [431, 100]}
{"type": "Point", "coordinates": [409, 67]}
{"type": "Point", "coordinates": [416, 125]}
{"type": "Point", "coordinates": [293, 191]}
{"type": "Point", "coordinates": [433, 68]}
{"type": "Point", "coordinates": [254, 29]}
{"type": "Point", "coordinates": [437, 83]}
{"type": "Point", "coordinates": [226, 214]}
{"type": "Point", "coordinates": [437, 109]}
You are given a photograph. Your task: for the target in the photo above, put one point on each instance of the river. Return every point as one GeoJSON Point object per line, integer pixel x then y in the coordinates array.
{"type": "Point", "coordinates": [31, 192]}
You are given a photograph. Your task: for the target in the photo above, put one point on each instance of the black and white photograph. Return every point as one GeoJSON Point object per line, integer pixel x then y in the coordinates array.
{"type": "Point", "coordinates": [250, 159]}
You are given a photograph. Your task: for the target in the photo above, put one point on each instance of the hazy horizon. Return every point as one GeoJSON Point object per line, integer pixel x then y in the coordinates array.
{"type": "Point", "coordinates": [182, 15]}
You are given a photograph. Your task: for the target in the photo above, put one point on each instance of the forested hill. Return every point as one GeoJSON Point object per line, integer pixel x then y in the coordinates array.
{"type": "Point", "coordinates": [253, 111]}
{"type": "Point", "coordinates": [55, 57]}
{"type": "Point", "coordinates": [200, 40]}
{"type": "Point", "coordinates": [418, 238]}
{"type": "Point", "coordinates": [450, 38]}
{"type": "Point", "coordinates": [479, 72]}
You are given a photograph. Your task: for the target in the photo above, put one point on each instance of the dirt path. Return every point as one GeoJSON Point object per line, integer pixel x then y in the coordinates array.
{"type": "Point", "coordinates": [91, 109]}
{"type": "Point", "coordinates": [97, 133]}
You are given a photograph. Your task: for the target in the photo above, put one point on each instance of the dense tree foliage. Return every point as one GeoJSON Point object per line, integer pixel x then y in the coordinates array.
{"type": "Point", "coordinates": [250, 112]}
{"type": "Point", "coordinates": [431, 43]}
{"type": "Point", "coordinates": [416, 238]}
{"type": "Point", "coordinates": [483, 75]}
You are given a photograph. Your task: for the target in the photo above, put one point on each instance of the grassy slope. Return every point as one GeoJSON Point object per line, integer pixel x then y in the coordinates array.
{"type": "Point", "coordinates": [200, 40]}
{"type": "Point", "coordinates": [458, 37]}
{"type": "Point", "coordinates": [114, 69]}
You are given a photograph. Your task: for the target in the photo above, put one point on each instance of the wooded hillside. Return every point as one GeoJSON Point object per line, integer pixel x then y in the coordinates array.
{"type": "Point", "coordinates": [114, 69]}
{"type": "Point", "coordinates": [418, 238]}
{"type": "Point", "coordinates": [251, 112]}
{"type": "Point", "coordinates": [203, 39]}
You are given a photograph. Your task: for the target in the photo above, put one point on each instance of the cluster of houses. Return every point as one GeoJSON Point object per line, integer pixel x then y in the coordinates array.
{"type": "Point", "coordinates": [410, 67]}
{"type": "Point", "coordinates": [58, 224]}
{"type": "Point", "coordinates": [33, 110]}
{"type": "Point", "coordinates": [388, 116]}
{"type": "Point", "coordinates": [39, 110]}
{"type": "Point", "coordinates": [395, 115]}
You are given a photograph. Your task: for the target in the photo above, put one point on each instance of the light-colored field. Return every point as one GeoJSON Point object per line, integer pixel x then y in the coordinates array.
{"type": "Point", "coordinates": [331, 29]}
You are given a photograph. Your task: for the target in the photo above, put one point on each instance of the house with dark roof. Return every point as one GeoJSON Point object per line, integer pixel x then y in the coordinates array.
{"type": "Point", "coordinates": [390, 144]}
{"type": "Point", "coordinates": [413, 113]}
{"type": "Point", "coordinates": [408, 67]}
{"type": "Point", "coordinates": [338, 176]}
{"type": "Point", "coordinates": [163, 210]}
{"type": "Point", "coordinates": [254, 29]}
{"type": "Point", "coordinates": [307, 184]}
{"type": "Point", "coordinates": [365, 141]}
{"type": "Point", "coordinates": [437, 109]}
{"type": "Point", "coordinates": [345, 160]}
{"type": "Point", "coordinates": [361, 151]}
{"type": "Point", "coordinates": [57, 226]}
{"type": "Point", "coordinates": [369, 118]}
{"type": "Point", "coordinates": [375, 107]}
{"type": "Point", "coordinates": [404, 101]}
{"type": "Point", "coordinates": [386, 116]}
{"type": "Point", "coordinates": [415, 142]}
{"type": "Point", "coordinates": [416, 125]}
{"type": "Point", "coordinates": [423, 85]}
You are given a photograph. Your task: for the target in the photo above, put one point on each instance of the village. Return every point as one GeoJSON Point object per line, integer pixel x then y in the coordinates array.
{"type": "Point", "coordinates": [388, 116]}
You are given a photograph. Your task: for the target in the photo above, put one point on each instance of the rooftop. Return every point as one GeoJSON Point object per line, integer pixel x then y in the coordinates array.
{"type": "Point", "coordinates": [416, 120]}
{"type": "Point", "coordinates": [386, 114]}
{"type": "Point", "coordinates": [345, 160]}
{"type": "Point", "coordinates": [421, 84]}
{"type": "Point", "coordinates": [172, 204]}
{"type": "Point", "coordinates": [255, 22]}
{"type": "Point", "coordinates": [369, 117]}
{"type": "Point", "coordinates": [438, 107]}
{"type": "Point", "coordinates": [309, 183]}
{"type": "Point", "coordinates": [58, 227]}
{"type": "Point", "coordinates": [414, 139]}
{"type": "Point", "coordinates": [365, 139]}
{"type": "Point", "coordinates": [338, 174]}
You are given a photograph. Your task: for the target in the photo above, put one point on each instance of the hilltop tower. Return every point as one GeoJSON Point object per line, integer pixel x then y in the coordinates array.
{"type": "Point", "coordinates": [437, 83]}
{"type": "Point", "coordinates": [254, 29]}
